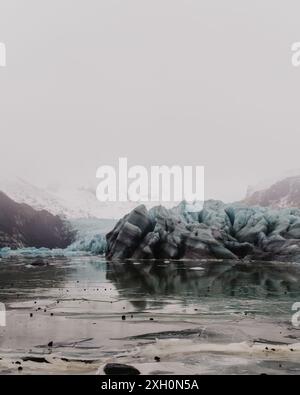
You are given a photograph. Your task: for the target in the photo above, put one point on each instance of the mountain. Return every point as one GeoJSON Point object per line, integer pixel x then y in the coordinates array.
{"type": "Point", "coordinates": [22, 226]}
{"type": "Point", "coordinates": [282, 194]}
{"type": "Point", "coordinates": [66, 201]}
{"type": "Point", "coordinates": [267, 183]}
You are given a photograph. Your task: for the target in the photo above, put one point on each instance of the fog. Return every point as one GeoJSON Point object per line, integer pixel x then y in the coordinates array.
{"type": "Point", "coordinates": [161, 82]}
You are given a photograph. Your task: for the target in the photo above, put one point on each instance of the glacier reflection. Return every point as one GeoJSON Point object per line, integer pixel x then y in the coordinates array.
{"type": "Point", "coordinates": [207, 279]}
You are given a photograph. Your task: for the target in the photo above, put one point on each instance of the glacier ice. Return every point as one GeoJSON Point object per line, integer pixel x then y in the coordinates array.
{"type": "Point", "coordinates": [90, 239]}
{"type": "Point", "coordinates": [219, 230]}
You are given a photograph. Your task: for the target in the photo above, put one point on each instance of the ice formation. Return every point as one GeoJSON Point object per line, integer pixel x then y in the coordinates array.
{"type": "Point", "coordinates": [222, 231]}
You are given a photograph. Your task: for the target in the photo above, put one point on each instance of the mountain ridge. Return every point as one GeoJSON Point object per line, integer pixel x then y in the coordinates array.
{"type": "Point", "coordinates": [284, 193]}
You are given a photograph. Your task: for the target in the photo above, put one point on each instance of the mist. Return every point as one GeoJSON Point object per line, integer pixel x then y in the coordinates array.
{"type": "Point", "coordinates": [163, 82]}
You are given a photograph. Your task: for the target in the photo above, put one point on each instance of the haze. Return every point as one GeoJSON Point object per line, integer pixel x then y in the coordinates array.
{"type": "Point", "coordinates": [161, 82]}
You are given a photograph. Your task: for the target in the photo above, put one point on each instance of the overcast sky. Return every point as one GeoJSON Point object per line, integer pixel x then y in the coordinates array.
{"type": "Point", "coordinates": [200, 82]}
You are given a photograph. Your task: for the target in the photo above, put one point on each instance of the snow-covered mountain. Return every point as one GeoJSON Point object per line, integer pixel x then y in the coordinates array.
{"type": "Point", "coordinates": [267, 183]}
{"type": "Point", "coordinates": [22, 226]}
{"type": "Point", "coordinates": [66, 201]}
{"type": "Point", "coordinates": [284, 193]}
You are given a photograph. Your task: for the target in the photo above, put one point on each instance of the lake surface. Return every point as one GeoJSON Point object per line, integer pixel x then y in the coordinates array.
{"type": "Point", "coordinates": [74, 315]}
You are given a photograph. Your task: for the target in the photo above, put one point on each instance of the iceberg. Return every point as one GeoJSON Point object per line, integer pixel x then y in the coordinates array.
{"type": "Point", "coordinates": [218, 231]}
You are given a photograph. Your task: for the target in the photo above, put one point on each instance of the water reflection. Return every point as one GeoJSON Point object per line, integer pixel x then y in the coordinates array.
{"type": "Point", "coordinates": [208, 279]}
{"type": "Point", "coordinates": [81, 301]}
{"type": "Point", "coordinates": [19, 276]}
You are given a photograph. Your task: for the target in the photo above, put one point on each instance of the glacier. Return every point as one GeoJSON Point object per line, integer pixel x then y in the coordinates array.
{"type": "Point", "coordinates": [89, 240]}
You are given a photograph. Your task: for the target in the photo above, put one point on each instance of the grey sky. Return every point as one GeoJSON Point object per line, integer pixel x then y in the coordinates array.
{"type": "Point", "coordinates": [200, 82]}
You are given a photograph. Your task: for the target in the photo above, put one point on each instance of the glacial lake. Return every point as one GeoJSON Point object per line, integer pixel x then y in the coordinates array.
{"type": "Point", "coordinates": [74, 315]}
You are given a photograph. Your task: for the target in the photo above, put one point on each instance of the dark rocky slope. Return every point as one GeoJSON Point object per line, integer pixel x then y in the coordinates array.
{"type": "Point", "coordinates": [22, 226]}
{"type": "Point", "coordinates": [218, 231]}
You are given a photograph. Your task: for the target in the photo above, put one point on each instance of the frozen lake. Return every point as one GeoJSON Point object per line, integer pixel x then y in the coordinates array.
{"type": "Point", "coordinates": [74, 315]}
